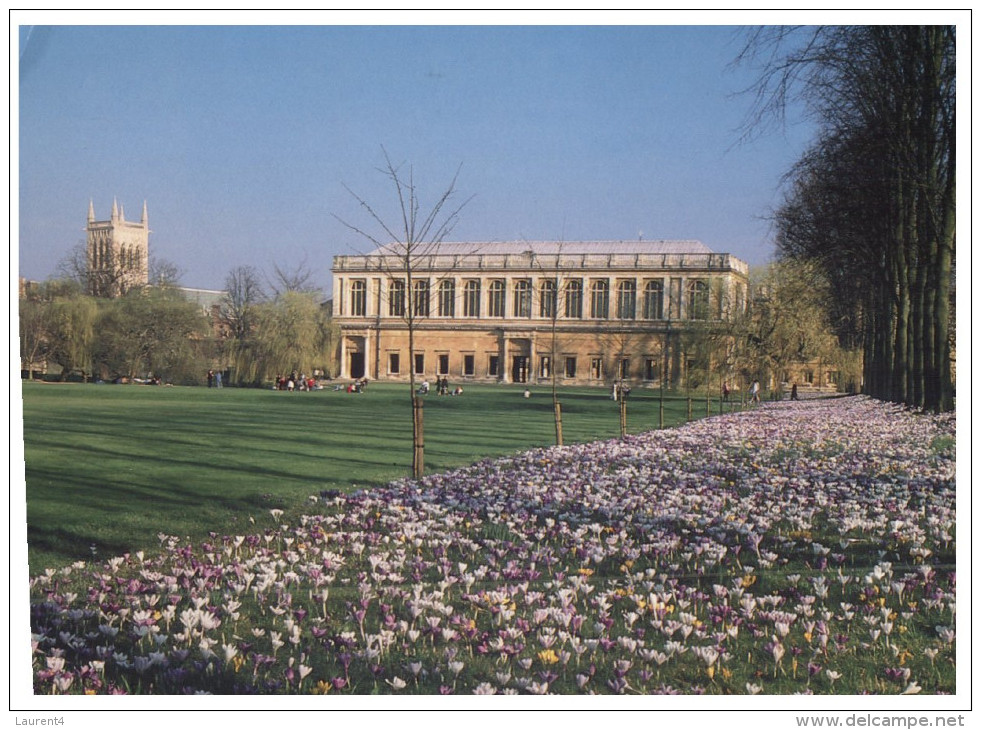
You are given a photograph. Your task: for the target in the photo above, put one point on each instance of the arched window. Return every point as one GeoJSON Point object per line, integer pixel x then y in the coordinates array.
{"type": "Point", "coordinates": [573, 299]}
{"type": "Point", "coordinates": [420, 298]}
{"type": "Point", "coordinates": [447, 296]}
{"type": "Point", "coordinates": [471, 298]}
{"type": "Point", "coordinates": [654, 299]}
{"type": "Point", "coordinates": [547, 298]}
{"type": "Point", "coordinates": [698, 299]}
{"type": "Point", "coordinates": [359, 297]}
{"type": "Point", "coordinates": [627, 299]}
{"type": "Point", "coordinates": [396, 298]}
{"type": "Point", "coordinates": [522, 298]}
{"type": "Point", "coordinates": [495, 298]}
{"type": "Point", "coordinates": [599, 299]}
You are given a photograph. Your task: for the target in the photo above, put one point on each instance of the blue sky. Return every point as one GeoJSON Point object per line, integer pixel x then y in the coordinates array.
{"type": "Point", "coordinates": [241, 139]}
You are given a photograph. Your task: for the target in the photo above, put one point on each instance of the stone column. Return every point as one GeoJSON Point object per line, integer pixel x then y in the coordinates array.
{"type": "Point", "coordinates": [505, 361]}
{"type": "Point", "coordinates": [532, 364]}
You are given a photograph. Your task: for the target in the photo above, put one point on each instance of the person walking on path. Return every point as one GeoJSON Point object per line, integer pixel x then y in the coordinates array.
{"type": "Point", "coordinates": [754, 392]}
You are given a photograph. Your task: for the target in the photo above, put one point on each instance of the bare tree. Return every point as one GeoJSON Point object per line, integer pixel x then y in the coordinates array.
{"type": "Point", "coordinates": [297, 279]}
{"type": "Point", "coordinates": [238, 316]}
{"type": "Point", "coordinates": [243, 291]}
{"type": "Point", "coordinates": [114, 276]}
{"type": "Point", "coordinates": [109, 280]}
{"type": "Point", "coordinates": [548, 303]}
{"type": "Point", "coordinates": [35, 325]}
{"type": "Point", "coordinates": [404, 248]}
{"type": "Point", "coordinates": [164, 273]}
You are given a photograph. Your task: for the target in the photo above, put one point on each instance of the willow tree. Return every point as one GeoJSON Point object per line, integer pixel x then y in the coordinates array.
{"type": "Point", "coordinates": [788, 324]}
{"type": "Point", "coordinates": [874, 199]}
{"type": "Point", "coordinates": [72, 333]}
{"type": "Point", "coordinates": [152, 330]}
{"type": "Point", "coordinates": [35, 320]}
{"type": "Point", "coordinates": [405, 247]}
{"type": "Point", "coordinates": [291, 333]}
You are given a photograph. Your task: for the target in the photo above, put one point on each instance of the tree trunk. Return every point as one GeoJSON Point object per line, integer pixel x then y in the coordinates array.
{"type": "Point", "coordinates": [558, 422]}
{"type": "Point", "coordinates": [418, 440]}
{"type": "Point", "coordinates": [623, 414]}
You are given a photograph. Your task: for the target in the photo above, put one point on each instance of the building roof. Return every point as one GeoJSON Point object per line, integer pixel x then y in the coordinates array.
{"type": "Point", "coordinates": [204, 298]}
{"type": "Point", "coordinates": [540, 248]}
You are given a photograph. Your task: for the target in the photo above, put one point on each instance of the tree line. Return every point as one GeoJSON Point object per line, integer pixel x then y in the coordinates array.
{"type": "Point", "coordinates": [254, 333]}
{"type": "Point", "coordinates": [872, 202]}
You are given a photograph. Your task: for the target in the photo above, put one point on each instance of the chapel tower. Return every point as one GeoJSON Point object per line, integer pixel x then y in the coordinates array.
{"type": "Point", "coordinates": [118, 252]}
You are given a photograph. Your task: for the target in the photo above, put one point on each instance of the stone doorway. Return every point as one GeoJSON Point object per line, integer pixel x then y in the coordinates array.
{"type": "Point", "coordinates": [357, 365]}
{"type": "Point", "coordinates": [519, 369]}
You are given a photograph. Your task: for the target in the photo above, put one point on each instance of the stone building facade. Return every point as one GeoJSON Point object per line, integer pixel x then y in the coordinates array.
{"type": "Point", "coordinates": [587, 312]}
{"type": "Point", "coordinates": [117, 252]}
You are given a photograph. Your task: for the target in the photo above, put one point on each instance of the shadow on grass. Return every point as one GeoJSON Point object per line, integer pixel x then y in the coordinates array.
{"type": "Point", "coordinates": [113, 466]}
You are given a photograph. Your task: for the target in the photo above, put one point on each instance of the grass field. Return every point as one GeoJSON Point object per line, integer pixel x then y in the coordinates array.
{"type": "Point", "coordinates": [110, 467]}
{"type": "Point", "coordinates": [795, 548]}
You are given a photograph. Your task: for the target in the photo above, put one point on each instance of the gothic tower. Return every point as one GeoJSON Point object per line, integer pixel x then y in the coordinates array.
{"type": "Point", "coordinates": [118, 252]}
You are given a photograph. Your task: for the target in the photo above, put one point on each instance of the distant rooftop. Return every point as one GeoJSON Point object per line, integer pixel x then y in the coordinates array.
{"type": "Point", "coordinates": [540, 248]}
{"type": "Point", "coordinates": [204, 298]}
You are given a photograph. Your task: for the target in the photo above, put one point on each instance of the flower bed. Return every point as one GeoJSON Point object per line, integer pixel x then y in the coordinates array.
{"type": "Point", "coordinates": [798, 547]}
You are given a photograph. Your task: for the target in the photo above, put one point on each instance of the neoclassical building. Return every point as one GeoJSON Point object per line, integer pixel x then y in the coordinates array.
{"type": "Point", "coordinates": [118, 252]}
{"type": "Point", "coordinates": [587, 312]}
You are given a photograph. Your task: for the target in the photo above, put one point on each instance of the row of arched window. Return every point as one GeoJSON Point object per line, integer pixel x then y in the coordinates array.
{"type": "Point", "coordinates": [128, 257]}
{"type": "Point", "coordinates": [624, 302]}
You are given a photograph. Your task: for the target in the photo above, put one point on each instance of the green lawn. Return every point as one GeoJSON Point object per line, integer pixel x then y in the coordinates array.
{"type": "Point", "coordinates": [110, 467]}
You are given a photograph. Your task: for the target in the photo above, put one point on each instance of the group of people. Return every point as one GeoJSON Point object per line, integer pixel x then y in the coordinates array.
{"type": "Point", "coordinates": [619, 390]}
{"type": "Point", "coordinates": [296, 382]}
{"type": "Point", "coordinates": [303, 382]}
{"type": "Point", "coordinates": [754, 392]}
{"type": "Point", "coordinates": [358, 386]}
{"type": "Point", "coordinates": [442, 387]}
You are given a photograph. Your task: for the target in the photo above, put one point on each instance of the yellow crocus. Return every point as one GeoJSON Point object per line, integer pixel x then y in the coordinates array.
{"type": "Point", "coordinates": [548, 656]}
